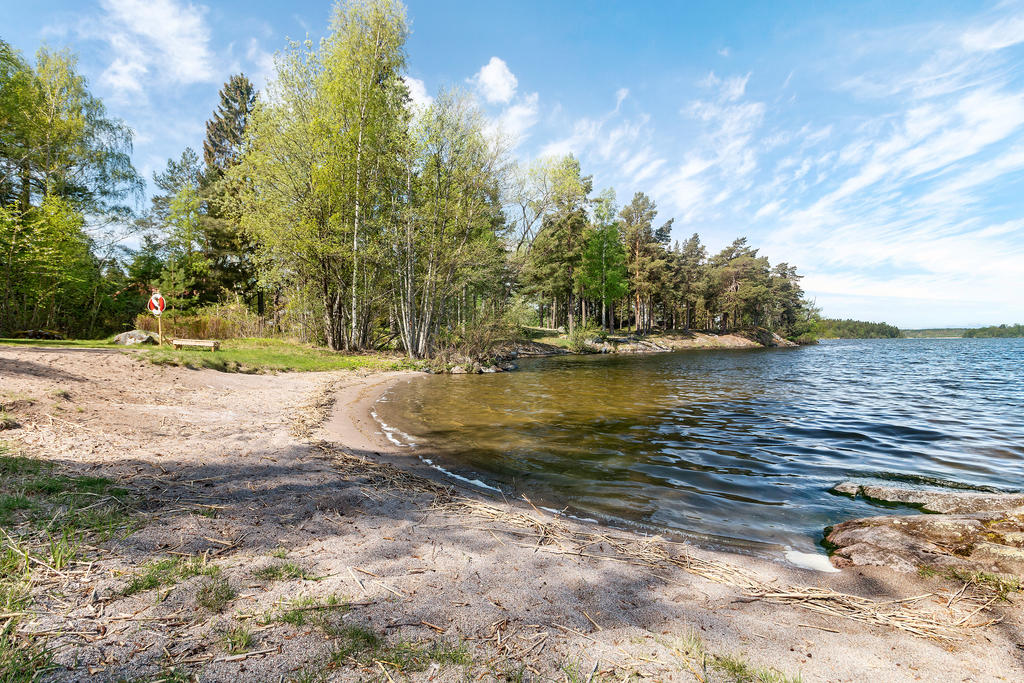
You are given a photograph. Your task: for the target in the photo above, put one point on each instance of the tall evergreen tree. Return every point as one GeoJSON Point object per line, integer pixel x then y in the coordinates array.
{"type": "Point", "coordinates": [232, 268]}
{"type": "Point", "coordinates": [645, 254]}
{"type": "Point", "coordinates": [225, 132]}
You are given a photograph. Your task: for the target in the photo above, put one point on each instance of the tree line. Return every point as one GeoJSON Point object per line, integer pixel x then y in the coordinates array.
{"type": "Point", "coordinates": [65, 178]}
{"type": "Point", "coordinates": [334, 207]}
{"type": "Point", "coordinates": [994, 331]}
{"type": "Point", "coordinates": [832, 328]}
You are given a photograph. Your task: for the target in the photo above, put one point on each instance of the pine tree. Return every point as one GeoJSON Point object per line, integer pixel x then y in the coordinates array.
{"type": "Point", "coordinates": [645, 254]}
{"type": "Point", "coordinates": [228, 250]}
{"type": "Point", "coordinates": [225, 132]}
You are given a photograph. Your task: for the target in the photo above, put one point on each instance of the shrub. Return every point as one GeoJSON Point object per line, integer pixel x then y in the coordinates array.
{"type": "Point", "coordinates": [221, 321]}
{"type": "Point", "coordinates": [580, 338]}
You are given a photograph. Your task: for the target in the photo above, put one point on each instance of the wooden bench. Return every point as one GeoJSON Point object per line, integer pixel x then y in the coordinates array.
{"type": "Point", "coordinates": [211, 344]}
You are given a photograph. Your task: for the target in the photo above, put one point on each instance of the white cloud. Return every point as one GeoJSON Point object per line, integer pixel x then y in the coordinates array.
{"type": "Point", "coordinates": [620, 95]}
{"type": "Point", "coordinates": [263, 62]}
{"type": "Point", "coordinates": [515, 121]}
{"type": "Point", "coordinates": [1001, 34]}
{"type": "Point", "coordinates": [418, 93]}
{"type": "Point", "coordinates": [124, 75]}
{"type": "Point", "coordinates": [495, 82]}
{"type": "Point", "coordinates": [769, 209]}
{"type": "Point", "coordinates": [150, 37]}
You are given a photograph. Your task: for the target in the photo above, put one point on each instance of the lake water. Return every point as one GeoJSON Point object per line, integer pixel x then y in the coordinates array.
{"type": "Point", "coordinates": [734, 447]}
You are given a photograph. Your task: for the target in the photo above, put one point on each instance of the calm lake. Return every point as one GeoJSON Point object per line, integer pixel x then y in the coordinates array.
{"type": "Point", "coordinates": [736, 447]}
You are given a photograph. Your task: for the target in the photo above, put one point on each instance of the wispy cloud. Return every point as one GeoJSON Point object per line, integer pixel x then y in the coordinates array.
{"type": "Point", "coordinates": [902, 183]}
{"type": "Point", "coordinates": [152, 39]}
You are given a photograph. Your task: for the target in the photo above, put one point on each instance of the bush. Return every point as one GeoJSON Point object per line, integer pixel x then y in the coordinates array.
{"type": "Point", "coordinates": [481, 340]}
{"type": "Point", "coordinates": [580, 338]}
{"type": "Point", "coordinates": [227, 321]}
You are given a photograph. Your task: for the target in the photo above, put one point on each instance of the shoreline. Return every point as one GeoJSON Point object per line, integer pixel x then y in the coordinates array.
{"type": "Point", "coordinates": [353, 420]}
{"type": "Point", "coordinates": [251, 476]}
{"type": "Point", "coordinates": [978, 533]}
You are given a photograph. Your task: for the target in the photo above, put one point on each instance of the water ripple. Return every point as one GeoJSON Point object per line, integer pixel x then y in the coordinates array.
{"type": "Point", "coordinates": [733, 446]}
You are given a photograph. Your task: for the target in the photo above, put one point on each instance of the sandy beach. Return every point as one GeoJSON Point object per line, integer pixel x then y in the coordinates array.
{"type": "Point", "coordinates": [326, 532]}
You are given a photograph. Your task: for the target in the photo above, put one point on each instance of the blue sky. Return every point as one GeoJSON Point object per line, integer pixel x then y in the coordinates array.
{"type": "Point", "coordinates": [878, 146]}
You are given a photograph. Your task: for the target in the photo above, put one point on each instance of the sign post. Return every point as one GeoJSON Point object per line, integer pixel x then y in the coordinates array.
{"type": "Point", "coordinates": [156, 306]}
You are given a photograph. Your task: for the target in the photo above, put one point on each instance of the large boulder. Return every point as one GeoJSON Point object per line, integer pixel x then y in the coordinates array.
{"type": "Point", "coordinates": [136, 337]}
{"type": "Point", "coordinates": [971, 531]}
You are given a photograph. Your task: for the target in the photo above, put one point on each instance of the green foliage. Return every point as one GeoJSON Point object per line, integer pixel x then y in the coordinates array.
{"type": "Point", "coordinates": [335, 210]}
{"type": "Point", "coordinates": [1002, 331]}
{"type": "Point", "coordinates": [580, 338]}
{"type": "Point", "coordinates": [602, 273]}
{"type": "Point", "coordinates": [216, 321]}
{"type": "Point", "coordinates": [831, 328]}
{"type": "Point", "coordinates": [934, 333]}
{"type": "Point", "coordinates": [63, 161]}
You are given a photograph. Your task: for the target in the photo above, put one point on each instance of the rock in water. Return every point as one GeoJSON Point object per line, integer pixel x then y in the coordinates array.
{"type": "Point", "coordinates": [972, 531]}
{"type": "Point", "coordinates": [933, 500]}
{"type": "Point", "coordinates": [136, 337]}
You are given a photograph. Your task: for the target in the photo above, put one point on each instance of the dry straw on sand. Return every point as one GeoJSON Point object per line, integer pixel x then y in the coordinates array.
{"type": "Point", "coordinates": [931, 615]}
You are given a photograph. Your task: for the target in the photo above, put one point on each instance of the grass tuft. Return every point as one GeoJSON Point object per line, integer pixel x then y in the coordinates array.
{"type": "Point", "coordinates": [215, 593]}
{"type": "Point", "coordinates": [278, 572]}
{"type": "Point", "coordinates": [169, 571]}
{"type": "Point", "coordinates": [238, 639]}
{"type": "Point", "coordinates": [21, 661]}
{"type": "Point", "coordinates": [999, 584]}
{"type": "Point", "coordinates": [360, 646]}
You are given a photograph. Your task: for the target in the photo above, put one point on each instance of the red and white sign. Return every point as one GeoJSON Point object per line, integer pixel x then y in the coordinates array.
{"type": "Point", "coordinates": [156, 304]}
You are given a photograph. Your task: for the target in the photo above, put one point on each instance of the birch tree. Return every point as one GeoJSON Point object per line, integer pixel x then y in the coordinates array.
{"type": "Point", "coordinates": [449, 227]}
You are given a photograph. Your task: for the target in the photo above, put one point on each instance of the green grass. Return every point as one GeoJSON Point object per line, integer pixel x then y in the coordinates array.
{"type": "Point", "coordinates": [46, 516]}
{"type": "Point", "coordinates": [238, 639]}
{"type": "Point", "coordinates": [244, 355]}
{"type": "Point", "coordinates": [21, 660]}
{"type": "Point", "coordinates": [167, 572]}
{"type": "Point", "coordinates": [307, 676]}
{"type": "Point", "coordinates": [305, 610]}
{"type": "Point", "coordinates": [274, 355]}
{"type": "Point", "coordinates": [107, 343]}
{"type": "Point", "coordinates": [215, 593]}
{"type": "Point", "coordinates": [361, 646]}
{"type": "Point", "coordinates": [63, 549]}
{"type": "Point", "coordinates": [278, 572]}
{"type": "Point", "coordinates": [36, 500]}
{"type": "Point", "coordinates": [10, 504]}
{"type": "Point", "coordinates": [733, 667]}
{"type": "Point", "coordinates": [546, 336]}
